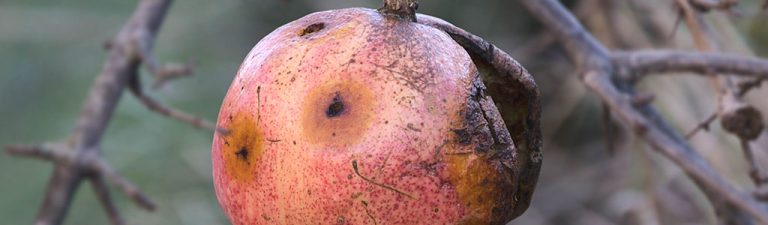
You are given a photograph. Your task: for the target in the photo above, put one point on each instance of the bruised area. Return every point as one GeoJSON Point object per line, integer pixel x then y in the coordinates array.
{"type": "Point", "coordinates": [338, 114]}
{"type": "Point", "coordinates": [482, 186]}
{"type": "Point", "coordinates": [243, 147]}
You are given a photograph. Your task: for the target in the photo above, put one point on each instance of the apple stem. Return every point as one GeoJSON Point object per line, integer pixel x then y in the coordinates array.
{"type": "Point", "coordinates": [404, 9]}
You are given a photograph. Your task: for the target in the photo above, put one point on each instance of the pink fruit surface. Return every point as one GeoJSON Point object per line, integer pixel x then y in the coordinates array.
{"type": "Point", "coordinates": [352, 117]}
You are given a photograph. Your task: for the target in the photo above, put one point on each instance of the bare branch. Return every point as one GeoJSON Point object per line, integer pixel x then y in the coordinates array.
{"type": "Point", "coordinates": [596, 62]}
{"type": "Point", "coordinates": [43, 152]}
{"type": "Point", "coordinates": [102, 193]}
{"type": "Point", "coordinates": [172, 71]}
{"type": "Point", "coordinates": [747, 85]}
{"type": "Point", "coordinates": [135, 87]}
{"type": "Point", "coordinates": [102, 169]}
{"type": "Point", "coordinates": [80, 157]}
{"type": "Point", "coordinates": [166, 72]}
{"type": "Point", "coordinates": [754, 170]}
{"type": "Point", "coordinates": [635, 65]}
{"type": "Point", "coordinates": [714, 4]}
{"type": "Point", "coordinates": [704, 125]}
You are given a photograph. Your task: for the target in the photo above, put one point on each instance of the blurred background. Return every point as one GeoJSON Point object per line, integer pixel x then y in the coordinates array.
{"type": "Point", "coordinates": [50, 52]}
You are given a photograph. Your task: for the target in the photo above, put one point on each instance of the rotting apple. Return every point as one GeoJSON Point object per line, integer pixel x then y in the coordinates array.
{"type": "Point", "coordinates": [355, 116]}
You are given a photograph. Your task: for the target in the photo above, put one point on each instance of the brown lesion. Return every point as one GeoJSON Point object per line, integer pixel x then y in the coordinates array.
{"type": "Point", "coordinates": [338, 113]}
{"type": "Point", "coordinates": [483, 182]}
{"type": "Point", "coordinates": [312, 28]}
{"type": "Point", "coordinates": [243, 148]}
{"type": "Point", "coordinates": [483, 186]}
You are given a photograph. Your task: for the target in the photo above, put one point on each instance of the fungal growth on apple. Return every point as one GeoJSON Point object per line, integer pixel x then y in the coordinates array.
{"type": "Point", "coordinates": [362, 116]}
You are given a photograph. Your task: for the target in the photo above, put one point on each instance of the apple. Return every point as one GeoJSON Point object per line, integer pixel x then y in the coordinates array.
{"type": "Point", "coordinates": [352, 116]}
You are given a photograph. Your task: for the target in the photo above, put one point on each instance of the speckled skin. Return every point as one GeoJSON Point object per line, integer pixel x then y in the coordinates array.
{"type": "Point", "coordinates": [387, 152]}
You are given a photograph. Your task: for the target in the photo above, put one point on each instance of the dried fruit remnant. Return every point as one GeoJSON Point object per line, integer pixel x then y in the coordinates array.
{"type": "Point", "coordinates": [482, 176]}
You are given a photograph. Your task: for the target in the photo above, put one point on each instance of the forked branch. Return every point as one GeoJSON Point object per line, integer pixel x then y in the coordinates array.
{"type": "Point", "coordinates": [79, 158]}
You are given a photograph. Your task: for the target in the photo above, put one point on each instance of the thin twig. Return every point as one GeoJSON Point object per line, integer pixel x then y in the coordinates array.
{"type": "Point", "coordinates": [166, 72]}
{"type": "Point", "coordinates": [41, 152]}
{"type": "Point", "coordinates": [703, 125]}
{"type": "Point", "coordinates": [748, 85]}
{"type": "Point", "coordinates": [754, 170]}
{"type": "Point", "coordinates": [134, 86]}
{"type": "Point", "coordinates": [102, 193]}
{"type": "Point", "coordinates": [171, 71]}
{"type": "Point", "coordinates": [105, 171]}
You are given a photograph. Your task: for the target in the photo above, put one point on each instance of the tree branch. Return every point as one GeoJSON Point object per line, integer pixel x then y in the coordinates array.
{"type": "Point", "coordinates": [80, 157]}
{"type": "Point", "coordinates": [599, 75]}
{"type": "Point", "coordinates": [135, 87]}
{"type": "Point", "coordinates": [102, 193]}
{"type": "Point", "coordinates": [714, 4]}
{"type": "Point", "coordinates": [635, 65]}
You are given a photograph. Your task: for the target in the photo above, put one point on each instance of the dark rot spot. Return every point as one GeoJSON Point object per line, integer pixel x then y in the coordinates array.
{"type": "Point", "coordinates": [243, 153]}
{"type": "Point", "coordinates": [244, 147]}
{"type": "Point", "coordinates": [337, 113]}
{"type": "Point", "coordinates": [315, 27]}
{"type": "Point", "coordinates": [336, 107]}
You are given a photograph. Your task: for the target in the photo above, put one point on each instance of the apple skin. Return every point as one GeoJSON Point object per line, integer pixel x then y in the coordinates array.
{"type": "Point", "coordinates": [351, 117]}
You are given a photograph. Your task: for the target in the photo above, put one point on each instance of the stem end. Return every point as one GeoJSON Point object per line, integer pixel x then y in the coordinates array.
{"type": "Point", "coordinates": [404, 9]}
